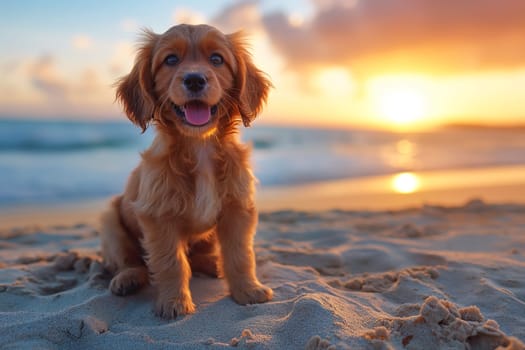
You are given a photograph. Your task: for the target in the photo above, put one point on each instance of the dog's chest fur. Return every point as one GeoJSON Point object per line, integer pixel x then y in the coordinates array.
{"type": "Point", "coordinates": [206, 202]}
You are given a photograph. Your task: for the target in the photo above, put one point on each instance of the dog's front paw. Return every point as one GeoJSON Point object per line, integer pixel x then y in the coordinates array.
{"type": "Point", "coordinates": [172, 307]}
{"type": "Point", "coordinates": [251, 293]}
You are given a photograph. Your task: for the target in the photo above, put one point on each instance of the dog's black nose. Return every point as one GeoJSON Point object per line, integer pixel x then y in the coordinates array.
{"type": "Point", "coordinates": [195, 82]}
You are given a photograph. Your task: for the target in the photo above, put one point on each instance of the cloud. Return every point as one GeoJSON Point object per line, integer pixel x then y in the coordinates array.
{"type": "Point", "coordinates": [9, 66]}
{"type": "Point", "coordinates": [45, 78]}
{"type": "Point", "coordinates": [122, 58]}
{"type": "Point", "coordinates": [243, 15]}
{"type": "Point", "coordinates": [129, 25]}
{"type": "Point", "coordinates": [82, 42]}
{"type": "Point", "coordinates": [396, 35]}
{"type": "Point", "coordinates": [88, 87]}
{"type": "Point", "coordinates": [185, 15]}
{"type": "Point", "coordinates": [90, 83]}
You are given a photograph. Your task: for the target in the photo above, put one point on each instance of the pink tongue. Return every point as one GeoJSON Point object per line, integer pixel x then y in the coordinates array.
{"type": "Point", "coordinates": [197, 113]}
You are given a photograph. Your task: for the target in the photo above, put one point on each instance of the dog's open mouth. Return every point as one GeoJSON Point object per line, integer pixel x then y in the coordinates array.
{"type": "Point", "coordinates": [195, 113]}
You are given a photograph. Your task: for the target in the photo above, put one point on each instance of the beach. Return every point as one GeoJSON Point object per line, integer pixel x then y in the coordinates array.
{"type": "Point", "coordinates": [368, 274]}
{"type": "Point", "coordinates": [385, 141]}
{"type": "Point", "coordinates": [369, 239]}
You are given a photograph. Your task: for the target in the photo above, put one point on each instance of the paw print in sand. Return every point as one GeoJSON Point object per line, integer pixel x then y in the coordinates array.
{"type": "Point", "coordinates": [59, 273]}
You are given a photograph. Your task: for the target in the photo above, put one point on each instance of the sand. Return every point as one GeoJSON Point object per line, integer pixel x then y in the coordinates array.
{"type": "Point", "coordinates": [431, 277]}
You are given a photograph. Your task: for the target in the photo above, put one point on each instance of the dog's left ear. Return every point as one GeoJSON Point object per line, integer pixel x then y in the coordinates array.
{"type": "Point", "coordinates": [251, 84]}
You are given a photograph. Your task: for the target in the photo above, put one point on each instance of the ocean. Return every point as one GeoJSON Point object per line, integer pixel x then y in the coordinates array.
{"type": "Point", "coordinates": [45, 161]}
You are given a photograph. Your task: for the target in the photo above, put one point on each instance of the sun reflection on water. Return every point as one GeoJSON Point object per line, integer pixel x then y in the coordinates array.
{"type": "Point", "coordinates": [405, 183]}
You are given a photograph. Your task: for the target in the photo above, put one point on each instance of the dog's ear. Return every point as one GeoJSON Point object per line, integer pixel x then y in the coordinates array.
{"type": "Point", "coordinates": [136, 90]}
{"type": "Point", "coordinates": [251, 84]}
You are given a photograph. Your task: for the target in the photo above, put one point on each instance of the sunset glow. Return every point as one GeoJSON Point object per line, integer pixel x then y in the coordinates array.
{"type": "Point", "coordinates": [334, 82]}
{"type": "Point", "coordinates": [371, 71]}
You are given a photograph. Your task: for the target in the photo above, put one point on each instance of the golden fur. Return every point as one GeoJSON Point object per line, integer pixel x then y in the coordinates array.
{"type": "Point", "coordinates": [189, 205]}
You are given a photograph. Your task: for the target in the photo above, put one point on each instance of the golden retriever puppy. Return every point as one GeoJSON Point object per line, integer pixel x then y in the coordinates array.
{"type": "Point", "coordinates": [189, 205]}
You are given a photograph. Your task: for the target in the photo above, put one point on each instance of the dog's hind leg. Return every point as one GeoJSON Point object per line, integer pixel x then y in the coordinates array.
{"type": "Point", "coordinates": [122, 253]}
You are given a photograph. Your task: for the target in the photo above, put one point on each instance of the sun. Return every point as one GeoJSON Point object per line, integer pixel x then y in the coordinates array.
{"type": "Point", "coordinates": [403, 106]}
{"type": "Point", "coordinates": [400, 101]}
{"type": "Point", "coordinates": [405, 183]}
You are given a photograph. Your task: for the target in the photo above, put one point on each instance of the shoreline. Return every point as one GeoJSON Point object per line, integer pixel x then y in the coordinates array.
{"type": "Point", "coordinates": [505, 184]}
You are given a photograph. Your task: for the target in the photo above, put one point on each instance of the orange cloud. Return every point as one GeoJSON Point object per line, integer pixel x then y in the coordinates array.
{"type": "Point", "coordinates": [397, 35]}
{"type": "Point", "coordinates": [42, 87]}
{"type": "Point", "coordinates": [243, 15]}
{"type": "Point", "coordinates": [45, 78]}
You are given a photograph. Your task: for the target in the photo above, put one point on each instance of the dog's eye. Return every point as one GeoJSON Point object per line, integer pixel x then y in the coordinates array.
{"type": "Point", "coordinates": [171, 60]}
{"type": "Point", "coordinates": [216, 59]}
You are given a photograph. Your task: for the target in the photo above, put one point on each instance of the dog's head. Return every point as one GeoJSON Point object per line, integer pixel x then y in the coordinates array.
{"type": "Point", "coordinates": [191, 77]}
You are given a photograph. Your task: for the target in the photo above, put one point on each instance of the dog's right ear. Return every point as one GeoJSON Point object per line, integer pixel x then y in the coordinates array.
{"type": "Point", "coordinates": [136, 90]}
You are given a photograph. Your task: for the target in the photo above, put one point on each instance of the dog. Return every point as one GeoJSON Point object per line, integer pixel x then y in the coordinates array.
{"type": "Point", "coordinates": [189, 205]}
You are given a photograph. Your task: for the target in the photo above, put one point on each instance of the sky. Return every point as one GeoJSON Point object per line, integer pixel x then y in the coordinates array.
{"type": "Point", "coordinates": [389, 64]}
